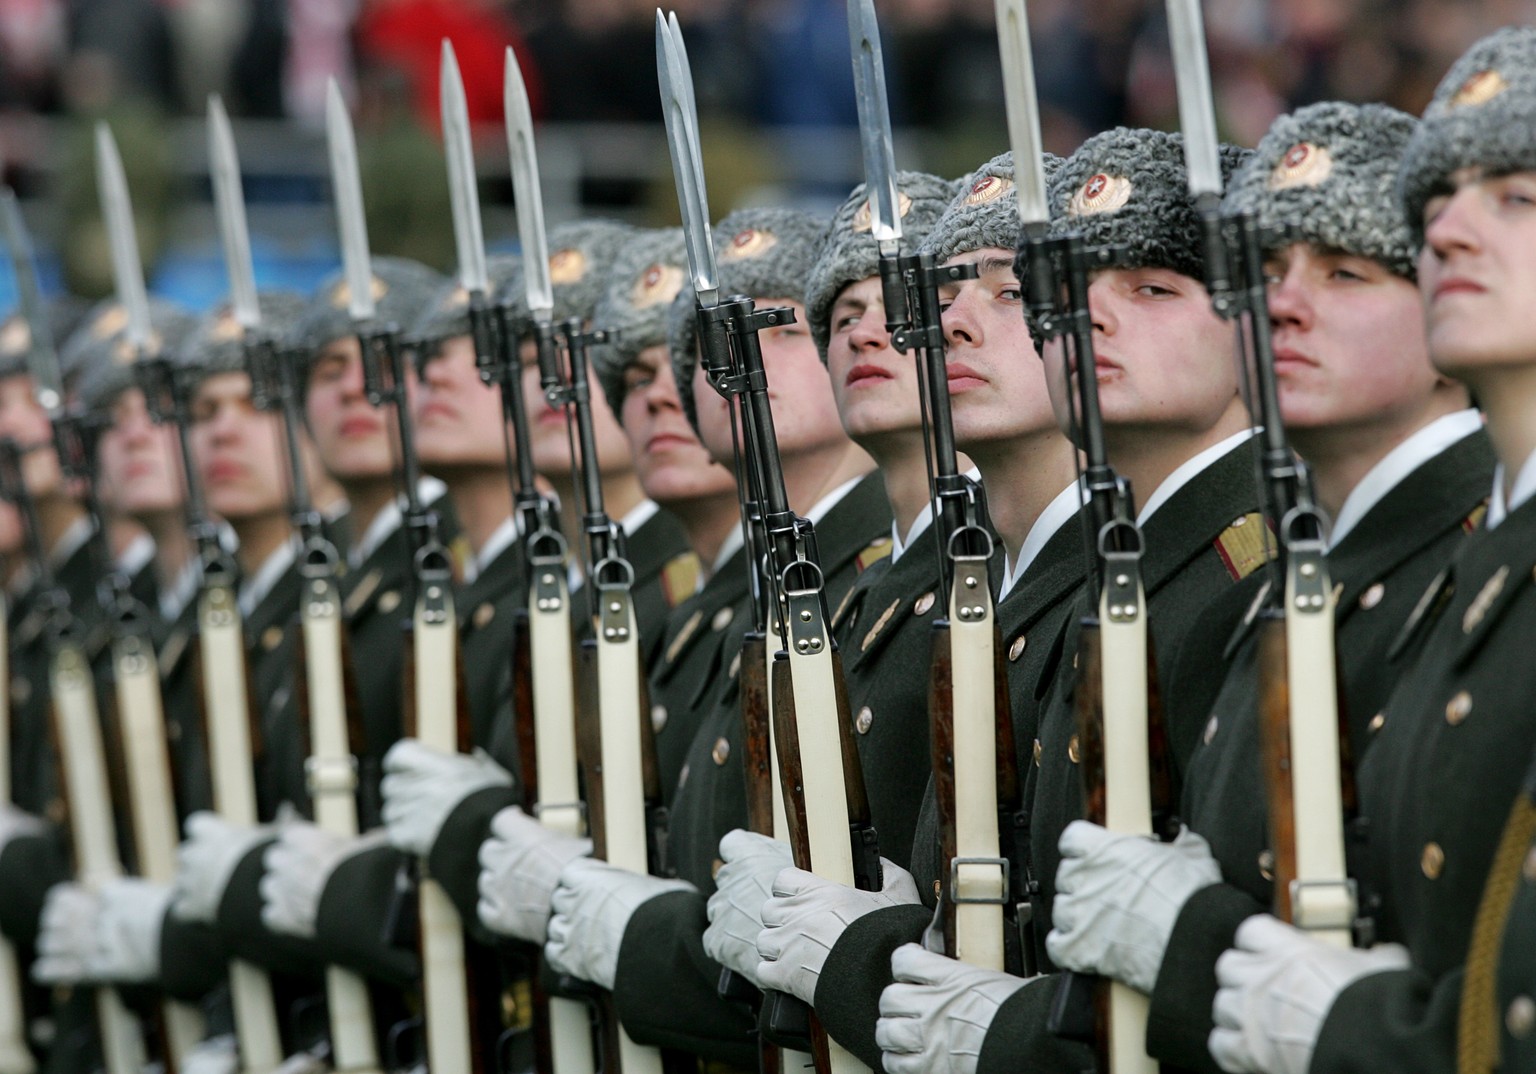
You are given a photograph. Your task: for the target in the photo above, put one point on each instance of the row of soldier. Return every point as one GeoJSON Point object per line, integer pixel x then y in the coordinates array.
{"type": "Point", "coordinates": [1393, 254]}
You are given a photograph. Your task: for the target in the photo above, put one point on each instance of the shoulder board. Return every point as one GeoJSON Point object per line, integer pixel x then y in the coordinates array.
{"type": "Point", "coordinates": [680, 578]}
{"type": "Point", "coordinates": [1474, 522]}
{"type": "Point", "coordinates": [460, 554]}
{"type": "Point", "coordinates": [1245, 546]}
{"type": "Point", "coordinates": [873, 553]}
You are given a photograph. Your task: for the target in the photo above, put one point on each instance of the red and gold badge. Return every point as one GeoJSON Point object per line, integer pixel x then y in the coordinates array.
{"type": "Point", "coordinates": [988, 188]}
{"type": "Point", "coordinates": [749, 242]}
{"type": "Point", "coordinates": [1479, 89]}
{"type": "Point", "coordinates": [658, 283]}
{"type": "Point", "coordinates": [567, 266]}
{"type": "Point", "coordinates": [1304, 164]}
{"type": "Point", "coordinates": [1102, 193]}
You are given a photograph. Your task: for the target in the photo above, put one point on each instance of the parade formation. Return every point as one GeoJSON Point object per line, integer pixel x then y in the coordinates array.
{"type": "Point", "coordinates": [762, 645]}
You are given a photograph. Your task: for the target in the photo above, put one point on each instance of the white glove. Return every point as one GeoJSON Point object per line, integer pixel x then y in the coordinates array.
{"type": "Point", "coordinates": [298, 866]}
{"type": "Point", "coordinates": [127, 948]}
{"type": "Point", "coordinates": [421, 786]}
{"type": "Point", "coordinates": [205, 861]}
{"type": "Point", "coordinates": [1275, 987]}
{"type": "Point", "coordinates": [935, 1017]}
{"type": "Point", "coordinates": [592, 905]}
{"type": "Point", "coordinates": [216, 1055]}
{"type": "Point", "coordinates": [1118, 897]}
{"type": "Point", "coordinates": [14, 822]}
{"type": "Point", "coordinates": [805, 917]}
{"type": "Point", "coordinates": [66, 935]}
{"type": "Point", "coordinates": [743, 884]}
{"type": "Point", "coordinates": [520, 864]}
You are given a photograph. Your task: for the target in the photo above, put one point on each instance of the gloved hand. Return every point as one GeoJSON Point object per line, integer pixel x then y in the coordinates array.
{"type": "Point", "coordinates": [14, 822]}
{"type": "Point", "coordinates": [421, 786]}
{"type": "Point", "coordinates": [592, 905]}
{"type": "Point", "coordinates": [1275, 987]}
{"type": "Point", "coordinates": [805, 917]}
{"type": "Point", "coordinates": [206, 859]}
{"type": "Point", "coordinates": [934, 1018]}
{"type": "Point", "coordinates": [743, 884]}
{"type": "Point", "coordinates": [1118, 897]}
{"type": "Point", "coordinates": [66, 935]}
{"type": "Point", "coordinates": [127, 947]}
{"type": "Point", "coordinates": [216, 1055]}
{"type": "Point", "coordinates": [520, 865]}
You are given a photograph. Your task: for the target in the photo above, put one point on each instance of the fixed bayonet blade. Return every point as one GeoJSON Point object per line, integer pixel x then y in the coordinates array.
{"type": "Point", "coordinates": [463, 196]}
{"type": "Point", "coordinates": [229, 206]}
{"type": "Point", "coordinates": [1197, 115]}
{"type": "Point", "coordinates": [874, 124]}
{"type": "Point", "coordinates": [347, 186]}
{"type": "Point", "coordinates": [117, 211]}
{"type": "Point", "coordinates": [1023, 111]}
{"type": "Point", "coordinates": [526, 194]}
{"type": "Point", "coordinates": [42, 359]}
{"type": "Point", "coordinates": [677, 107]}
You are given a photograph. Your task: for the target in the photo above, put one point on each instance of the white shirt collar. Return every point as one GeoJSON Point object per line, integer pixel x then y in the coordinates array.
{"type": "Point", "coordinates": [1187, 472]}
{"type": "Point", "coordinates": [728, 548]}
{"type": "Point", "coordinates": [388, 520]}
{"type": "Point", "coordinates": [832, 499]}
{"type": "Point", "coordinates": [1061, 510]}
{"type": "Point", "coordinates": [495, 545]}
{"type": "Point", "coordinates": [920, 524]}
{"type": "Point", "coordinates": [1398, 463]}
{"type": "Point", "coordinates": [71, 542]}
{"type": "Point", "coordinates": [137, 555]}
{"type": "Point", "coordinates": [258, 585]}
{"type": "Point", "coordinates": [1524, 489]}
{"type": "Point", "coordinates": [175, 599]}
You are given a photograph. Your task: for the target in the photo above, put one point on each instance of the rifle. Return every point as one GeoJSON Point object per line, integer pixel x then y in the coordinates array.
{"type": "Point", "coordinates": [825, 805]}
{"type": "Point", "coordinates": [1305, 746]}
{"type": "Point", "coordinates": [445, 988]}
{"type": "Point", "coordinates": [14, 1053]}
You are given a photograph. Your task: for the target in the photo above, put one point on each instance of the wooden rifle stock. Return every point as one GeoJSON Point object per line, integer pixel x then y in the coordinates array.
{"type": "Point", "coordinates": [14, 1053]}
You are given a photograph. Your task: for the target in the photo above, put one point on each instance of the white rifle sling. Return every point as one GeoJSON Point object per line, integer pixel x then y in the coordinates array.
{"type": "Point", "coordinates": [1127, 778]}
{"type": "Point", "coordinates": [332, 780]}
{"type": "Point", "coordinates": [222, 647]}
{"type": "Point", "coordinates": [979, 878]}
{"type": "Point", "coordinates": [91, 829]}
{"type": "Point", "coordinates": [151, 807]}
{"type": "Point", "coordinates": [1322, 895]}
{"type": "Point", "coordinates": [445, 988]}
{"type": "Point", "coordinates": [14, 1053]}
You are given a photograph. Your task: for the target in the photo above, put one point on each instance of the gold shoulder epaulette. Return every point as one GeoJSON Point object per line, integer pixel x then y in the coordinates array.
{"type": "Point", "coordinates": [1244, 546]}
{"type": "Point", "coordinates": [680, 578]}
{"type": "Point", "coordinates": [874, 553]}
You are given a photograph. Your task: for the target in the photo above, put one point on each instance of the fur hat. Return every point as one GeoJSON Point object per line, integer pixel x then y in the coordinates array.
{"type": "Point", "coordinates": [650, 270]}
{"type": "Point", "coordinates": [580, 255]}
{"type": "Point", "coordinates": [848, 253]}
{"type": "Point", "coordinates": [760, 253]}
{"type": "Point", "coordinates": [401, 289]}
{"type": "Point", "coordinates": [984, 211]}
{"type": "Point", "coordinates": [98, 359]}
{"type": "Point", "coordinates": [1329, 171]}
{"type": "Point", "coordinates": [214, 344]}
{"type": "Point", "coordinates": [446, 313]}
{"type": "Point", "coordinates": [64, 314]}
{"type": "Point", "coordinates": [1483, 113]}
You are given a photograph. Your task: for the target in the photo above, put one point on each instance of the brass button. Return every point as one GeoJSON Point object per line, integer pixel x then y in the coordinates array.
{"type": "Point", "coordinates": [938, 889]}
{"type": "Point", "coordinates": [483, 615]}
{"type": "Point", "coordinates": [1458, 708]}
{"type": "Point", "coordinates": [1378, 721]}
{"type": "Point", "coordinates": [1372, 596]}
{"type": "Point", "coordinates": [1037, 753]}
{"type": "Point", "coordinates": [1210, 728]}
{"type": "Point", "coordinates": [723, 618]}
{"type": "Point", "coordinates": [722, 751]}
{"type": "Point", "coordinates": [1074, 661]}
{"type": "Point", "coordinates": [1432, 860]}
{"type": "Point", "coordinates": [1073, 753]}
{"type": "Point", "coordinates": [1016, 650]}
{"type": "Point", "coordinates": [1520, 1018]}
{"type": "Point", "coordinates": [1528, 868]}
{"type": "Point", "coordinates": [735, 668]}
{"type": "Point", "coordinates": [658, 718]}
{"type": "Point", "coordinates": [1267, 864]}
{"type": "Point", "coordinates": [924, 604]}
{"type": "Point", "coordinates": [389, 601]}
{"type": "Point", "coordinates": [863, 720]}
{"type": "Point", "coordinates": [271, 638]}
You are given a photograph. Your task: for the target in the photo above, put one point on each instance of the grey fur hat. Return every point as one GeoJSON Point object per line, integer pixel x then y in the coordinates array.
{"type": "Point", "coordinates": [983, 211]}
{"type": "Point", "coordinates": [401, 290]}
{"type": "Point", "coordinates": [97, 358]}
{"type": "Point", "coordinates": [1483, 113]}
{"type": "Point", "coordinates": [446, 313]}
{"type": "Point", "coordinates": [1128, 188]}
{"type": "Point", "coordinates": [848, 252]}
{"type": "Point", "coordinates": [1329, 172]}
{"type": "Point", "coordinates": [649, 271]}
{"type": "Point", "coordinates": [761, 253]}
{"type": "Point", "coordinates": [64, 313]}
{"type": "Point", "coordinates": [214, 344]}
{"type": "Point", "coordinates": [580, 255]}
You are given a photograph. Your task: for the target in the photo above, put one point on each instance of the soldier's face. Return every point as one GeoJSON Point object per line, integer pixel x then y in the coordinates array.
{"type": "Point", "coordinates": [458, 416]}
{"type": "Point", "coordinates": [875, 387]}
{"type": "Point", "coordinates": [548, 439]}
{"type": "Point", "coordinates": [237, 448]}
{"type": "Point", "coordinates": [671, 463]}
{"type": "Point", "coordinates": [1165, 361]}
{"type": "Point", "coordinates": [1349, 345]}
{"type": "Point", "coordinates": [996, 382]}
{"type": "Point", "coordinates": [138, 462]}
{"type": "Point", "coordinates": [351, 436]}
{"type": "Point", "coordinates": [25, 422]}
{"type": "Point", "coordinates": [1476, 273]}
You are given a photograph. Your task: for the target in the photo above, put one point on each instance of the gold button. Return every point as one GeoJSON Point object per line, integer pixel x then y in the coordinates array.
{"type": "Point", "coordinates": [1458, 708]}
{"type": "Point", "coordinates": [735, 668]}
{"type": "Point", "coordinates": [1210, 728]}
{"type": "Point", "coordinates": [1432, 860]}
{"type": "Point", "coordinates": [483, 615]}
{"type": "Point", "coordinates": [271, 638]}
{"type": "Point", "coordinates": [863, 720]}
{"type": "Point", "coordinates": [1267, 865]}
{"type": "Point", "coordinates": [1378, 721]}
{"type": "Point", "coordinates": [1016, 650]}
{"type": "Point", "coordinates": [389, 601]}
{"type": "Point", "coordinates": [924, 604]}
{"type": "Point", "coordinates": [723, 618]}
{"type": "Point", "coordinates": [1074, 661]}
{"type": "Point", "coordinates": [938, 889]}
{"type": "Point", "coordinates": [658, 718]}
{"type": "Point", "coordinates": [1528, 869]}
{"type": "Point", "coordinates": [1372, 596]}
{"type": "Point", "coordinates": [1073, 754]}
{"type": "Point", "coordinates": [1037, 753]}
{"type": "Point", "coordinates": [1520, 1018]}
{"type": "Point", "coordinates": [722, 751]}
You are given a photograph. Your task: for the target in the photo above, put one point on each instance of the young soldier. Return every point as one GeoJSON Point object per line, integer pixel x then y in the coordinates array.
{"type": "Point", "coordinates": [1397, 457]}
{"type": "Point", "coordinates": [1456, 737]}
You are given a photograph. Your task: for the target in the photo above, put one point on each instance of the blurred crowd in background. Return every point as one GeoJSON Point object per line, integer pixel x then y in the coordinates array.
{"type": "Point", "coordinates": [768, 72]}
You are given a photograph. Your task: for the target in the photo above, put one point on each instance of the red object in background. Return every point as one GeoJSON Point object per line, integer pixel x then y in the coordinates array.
{"type": "Point", "coordinates": [408, 35]}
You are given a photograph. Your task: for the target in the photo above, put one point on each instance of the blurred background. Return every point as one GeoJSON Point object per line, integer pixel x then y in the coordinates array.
{"type": "Point", "coordinates": [773, 80]}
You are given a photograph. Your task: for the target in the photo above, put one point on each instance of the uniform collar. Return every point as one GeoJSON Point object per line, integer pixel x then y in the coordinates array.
{"type": "Point", "coordinates": [71, 542]}
{"type": "Point", "coordinates": [920, 524]}
{"type": "Point", "coordinates": [504, 534]}
{"type": "Point", "coordinates": [267, 576]}
{"type": "Point", "coordinates": [1398, 463]}
{"type": "Point", "coordinates": [1057, 514]}
{"type": "Point", "coordinates": [1187, 472]}
{"type": "Point", "coordinates": [137, 555]}
{"type": "Point", "coordinates": [1524, 488]}
{"type": "Point", "coordinates": [387, 521]}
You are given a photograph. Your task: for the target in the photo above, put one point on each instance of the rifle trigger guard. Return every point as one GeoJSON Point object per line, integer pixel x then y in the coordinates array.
{"type": "Point", "coordinates": [962, 896]}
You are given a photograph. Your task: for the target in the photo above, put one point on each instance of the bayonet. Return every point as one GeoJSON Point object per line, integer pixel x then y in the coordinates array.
{"type": "Point", "coordinates": [1197, 115]}
{"type": "Point", "coordinates": [42, 358]}
{"type": "Point", "coordinates": [874, 125]}
{"type": "Point", "coordinates": [347, 187]}
{"type": "Point", "coordinates": [527, 198]}
{"type": "Point", "coordinates": [678, 109]}
{"type": "Point", "coordinates": [229, 206]}
{"type": "Point", "coordinates": [1023, 113]}
{"type": "Point", "coordinates": [462, 193]}
{"type": "Point", "coordinates": [127, 270]}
